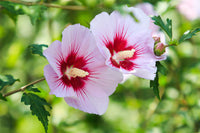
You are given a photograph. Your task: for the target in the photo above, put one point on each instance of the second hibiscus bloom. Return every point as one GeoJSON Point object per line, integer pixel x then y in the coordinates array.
{"type": "Point", "coordinates": [126, 44]}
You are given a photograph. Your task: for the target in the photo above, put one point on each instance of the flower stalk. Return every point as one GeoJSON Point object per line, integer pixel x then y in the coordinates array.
{"type": "Point", "coordinates": [23, 87]}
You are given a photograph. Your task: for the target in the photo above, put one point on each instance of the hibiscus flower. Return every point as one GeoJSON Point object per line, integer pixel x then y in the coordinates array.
{"type": "Point", "coordinates": [126, 41]}
{"type": "Point", "coordinates": [77, 71]}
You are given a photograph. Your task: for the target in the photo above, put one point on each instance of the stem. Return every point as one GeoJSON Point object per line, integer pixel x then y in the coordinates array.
{"type": "Point", "coordinates": [48, 5]}
{"type": "Point", "coordinates": [23, 87]}
{"type": "Point", "coordinates": [169, 45]}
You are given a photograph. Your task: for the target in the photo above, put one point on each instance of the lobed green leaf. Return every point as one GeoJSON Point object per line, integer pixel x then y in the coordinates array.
{"type": "Point", "coordinates": [37, 48]}
{"type": "Point", "coordinates": [7, 80]}
{"type": "Point", "coordinates": [166, 27]}
{"type": "Point", "coordinates": [37, 106]}
{"type": "Point", "coordinates": [189, 34]}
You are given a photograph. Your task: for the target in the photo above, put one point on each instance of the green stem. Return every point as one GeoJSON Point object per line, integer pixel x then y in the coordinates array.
{"type": "Point", "coordinates": [169, 45]}
{"type": "Point", "coordinates": [48, 5]}
{"type": "Point", "coordinates": [23, 87]}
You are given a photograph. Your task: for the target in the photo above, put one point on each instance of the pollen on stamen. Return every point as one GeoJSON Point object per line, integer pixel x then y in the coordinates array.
{"type": "Point", "coordinates": [75, 72]}
{"type": "Point", "coordinates": [125, 54]}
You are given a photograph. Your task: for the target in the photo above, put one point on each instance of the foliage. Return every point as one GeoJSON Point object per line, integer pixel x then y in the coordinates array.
{"type": "Point", "coordinates": [132, 108]}
{"type": "Point", "coordinates": [37, 106]}
{"type": "Point", "coordinates": [37, 49]}
{"type": "Point", "coordinates": [2, 98]}
{"type": "Point", "coordinates": [14, 9]}
{"type": "Point", "coordinates": [7, 80]}
{"type": "Point", "coordinates": [188, 35]}
{"type": "Point", "coordinates": [155, 83]}
{"type": "Point", "coordinates": [166, 27]}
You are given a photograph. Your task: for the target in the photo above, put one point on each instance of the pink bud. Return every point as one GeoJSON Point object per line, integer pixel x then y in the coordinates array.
{"type": "Point", "coordinates": [156, 39]}
{"type": "Point", "coordinates": [159, 49]}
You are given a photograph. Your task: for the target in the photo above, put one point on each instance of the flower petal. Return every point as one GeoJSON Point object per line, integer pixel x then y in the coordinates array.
{"type": "Point", "coordinates": [94, 100]}
{"type": "Point", "coordinates": [140, 15]}
{"type": "Point", "coordinates": [147, 73]}
{"type": "Point", "coordinates": [77, 39]}
{"type": "Point", "coordinates": [55, 83]}
{"type": "Point", "coordinates": [106, 78]}
{"type": "Point", "coordinates": [54, 56]}
{"type": "Point", "coordinates": [147, 8]}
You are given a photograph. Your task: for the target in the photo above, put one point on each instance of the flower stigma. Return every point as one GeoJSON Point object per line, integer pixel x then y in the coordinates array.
{"type": "Point", "coordinates": [76, 72]}
{"type": "Point", "coordinates": [122, 55]}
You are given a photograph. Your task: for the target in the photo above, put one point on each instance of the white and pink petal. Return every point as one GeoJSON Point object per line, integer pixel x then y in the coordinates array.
{"type": "Point", "coordinates": [93, 100]}
{"type": "Point", "coordinates": [77, 39]}
{"type": "Point", "coordinates": [54, 56]}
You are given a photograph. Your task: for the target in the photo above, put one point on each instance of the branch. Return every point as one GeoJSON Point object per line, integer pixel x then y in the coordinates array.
{"type": "Point", "coordinates": [48, 5]}
{"type": "Point", "coordinates": [23, 87]}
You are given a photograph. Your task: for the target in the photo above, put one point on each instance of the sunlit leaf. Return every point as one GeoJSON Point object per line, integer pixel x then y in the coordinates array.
{"type": "Point", "coordinates": [37, 106]}
{"type": "Point", "coordinates": [189, 34]}
{"type": "Point", "coordinates": [166, 27]}
{"type": "Point", "coordinates": [7, 80]}
{"type": "Point", "coordinates": [37, 49]}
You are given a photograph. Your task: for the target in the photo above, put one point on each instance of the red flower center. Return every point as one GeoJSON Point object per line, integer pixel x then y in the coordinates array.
{"type": "Point", "coordinates": [74, 71]}
{"type": "Point", "coordinates": [121, 54]}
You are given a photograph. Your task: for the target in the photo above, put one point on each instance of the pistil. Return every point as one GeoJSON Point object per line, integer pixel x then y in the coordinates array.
{"type": "Point", "coordinates": [120, 56]}
{"type": "Point", "coordinates": [76, 72]}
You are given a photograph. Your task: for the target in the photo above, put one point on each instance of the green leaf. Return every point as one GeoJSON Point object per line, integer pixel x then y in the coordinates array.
{"type": "Point", "coordinates": [161, 68]}
{"type": "Point", "coordinates": [37, 49]}
{"type": "Point", "coordinates": [166, 27]}
{"type": "Point", "coordinates": [30, 88]}
{"type": "Point", "coordinates": [2, 98]}
{"type": "Point", "coordinates": [37, 106]}
{"type": "Point", "coordinates": [12, 7]}
{"type": "Point", "coordinates": [34, 11]}
{"type": "Point", "coordinates": [188, 34]}
{"type": "Point", "coordinates": [154, 84]}
{"type": "Point", "coordinates": [6, 80]}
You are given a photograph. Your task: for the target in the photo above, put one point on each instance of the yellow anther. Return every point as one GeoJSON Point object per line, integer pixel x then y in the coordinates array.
{"type": "Point", "coordinates": [125, 54]}
{"type": "Point", "coordinates": [76, 72]}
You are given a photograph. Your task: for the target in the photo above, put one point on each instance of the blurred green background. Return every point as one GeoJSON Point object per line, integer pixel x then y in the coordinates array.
{"type": "Point", "coordinates": [133, 108]}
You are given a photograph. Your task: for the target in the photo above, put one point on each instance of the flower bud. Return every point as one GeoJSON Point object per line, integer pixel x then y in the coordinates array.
{"type": "Point", "coordinates": [159, 49]}
{"type": "Point", "coordinates": [156, 39]}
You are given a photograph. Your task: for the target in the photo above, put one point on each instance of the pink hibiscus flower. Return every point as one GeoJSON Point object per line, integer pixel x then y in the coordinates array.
{"type": "Point", "coordinates": [189, 8]}
{"type": "Point", "coordinates": [77, 71]}
{"type": "Point", "coordinates": [126, 44]}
